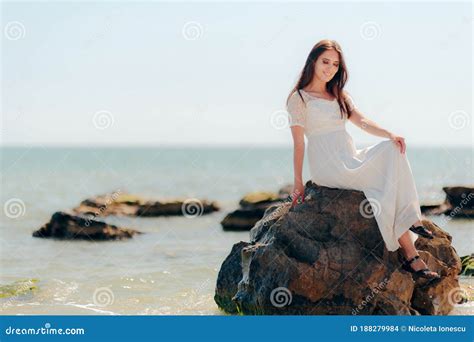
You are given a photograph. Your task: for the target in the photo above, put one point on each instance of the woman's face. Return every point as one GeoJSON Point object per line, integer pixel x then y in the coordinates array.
{"type": "Point", "coordinates": [327, 65]}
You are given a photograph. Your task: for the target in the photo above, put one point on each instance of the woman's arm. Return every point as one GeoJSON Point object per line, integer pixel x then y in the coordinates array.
{"type": "Point", "coordinates": [298, 157]}
{"type": "Point", "coordinates": [364, 123]}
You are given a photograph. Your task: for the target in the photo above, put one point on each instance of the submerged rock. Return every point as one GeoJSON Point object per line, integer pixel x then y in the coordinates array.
{"type": "Point", "coordinates": [252, 208]}
{"type": "Point", "coordinates": [68, 226]}
{"type": "Point", "coordinates": [459, 203]}
{"type": "Point", "coordinates": [467, 262]}
{"type": "Point", "coordinates": [123, 204]}
{"type": "Point", "coordinates": [18, 288]}
{"type": "Point", "coordinates": [323, 257]}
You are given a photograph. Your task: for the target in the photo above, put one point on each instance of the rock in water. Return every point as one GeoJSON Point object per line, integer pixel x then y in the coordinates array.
{"type": "Point", "coordinates": [123, 204]}
{"type": "Point", "coordinates": [467, 262]}
{"type": "Point", "coordinates": [67, 226]}
{"type": "Point", "coordinates": [252, 208]}
{"type": "Point", "coordinates": [459, 203]}
{"type": "Point", "coordinates": [18, 288]}
{"type": "Point", "coordinates": [242, 219]}
{"type": "Point", "coordinates": [323, 257]}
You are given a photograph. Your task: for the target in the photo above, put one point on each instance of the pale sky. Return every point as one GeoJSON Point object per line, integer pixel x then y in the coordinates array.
{"type": "Point", "coordinates": [218, 74]}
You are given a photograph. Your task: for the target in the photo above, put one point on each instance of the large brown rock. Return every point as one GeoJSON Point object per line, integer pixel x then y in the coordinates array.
{"type": "Point", "coordinates": [323, 257]}
{"type": "Point", "coordinates": [459, 203]}
{"type": "Point", "coordinates": [65, 225]}
{"type": "Point", "coordinates": [123, 204]}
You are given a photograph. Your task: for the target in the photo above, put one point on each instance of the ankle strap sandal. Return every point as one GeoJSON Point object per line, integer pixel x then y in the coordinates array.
{"type": "Point", "coordinates": [423, 273]}
{"type": "Point", "coordinates": [422, 231]}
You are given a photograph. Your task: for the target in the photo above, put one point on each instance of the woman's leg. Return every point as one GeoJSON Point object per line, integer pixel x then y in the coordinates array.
{"type": "Point", "coordinates": [410, 251]}
{"type": "Point", "coordinates": [408, 247]}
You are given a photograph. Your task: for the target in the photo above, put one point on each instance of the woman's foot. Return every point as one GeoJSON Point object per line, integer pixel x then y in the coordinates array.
{"type": "Point", "coordinates": [418, 267]}
{"type": "Point", "coordinates": [422, 231]}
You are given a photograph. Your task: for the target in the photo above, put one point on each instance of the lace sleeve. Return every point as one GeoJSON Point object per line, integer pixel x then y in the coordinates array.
{"type": "Point", "coordinates": [296, 110]}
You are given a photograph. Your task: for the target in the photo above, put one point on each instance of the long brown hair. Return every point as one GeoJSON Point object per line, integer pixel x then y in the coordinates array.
{"type": "Point", "coordinates": [335, 85]}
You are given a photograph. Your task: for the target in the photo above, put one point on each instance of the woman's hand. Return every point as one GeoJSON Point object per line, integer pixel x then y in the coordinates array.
{"type": "Point", "coordinates": [298, 191]}
{"type": "Point", "coordinates": [399, 141]}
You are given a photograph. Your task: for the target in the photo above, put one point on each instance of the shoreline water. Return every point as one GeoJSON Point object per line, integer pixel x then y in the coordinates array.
{"type": "Point", "coordinates": [173, 267]}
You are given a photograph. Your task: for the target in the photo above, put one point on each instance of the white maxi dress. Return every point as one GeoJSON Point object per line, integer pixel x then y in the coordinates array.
{"type": "Point", "coordinates": [380, 171]}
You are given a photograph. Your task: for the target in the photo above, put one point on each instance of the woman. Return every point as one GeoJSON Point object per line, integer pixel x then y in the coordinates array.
{"type": "Point", "coordinates": [318, 108]}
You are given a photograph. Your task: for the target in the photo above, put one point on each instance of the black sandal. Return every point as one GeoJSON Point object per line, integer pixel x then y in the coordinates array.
{"type": "Point", "coordinates": [423, 273]}
{"type": "Point", "coordinates": [422, 231]}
